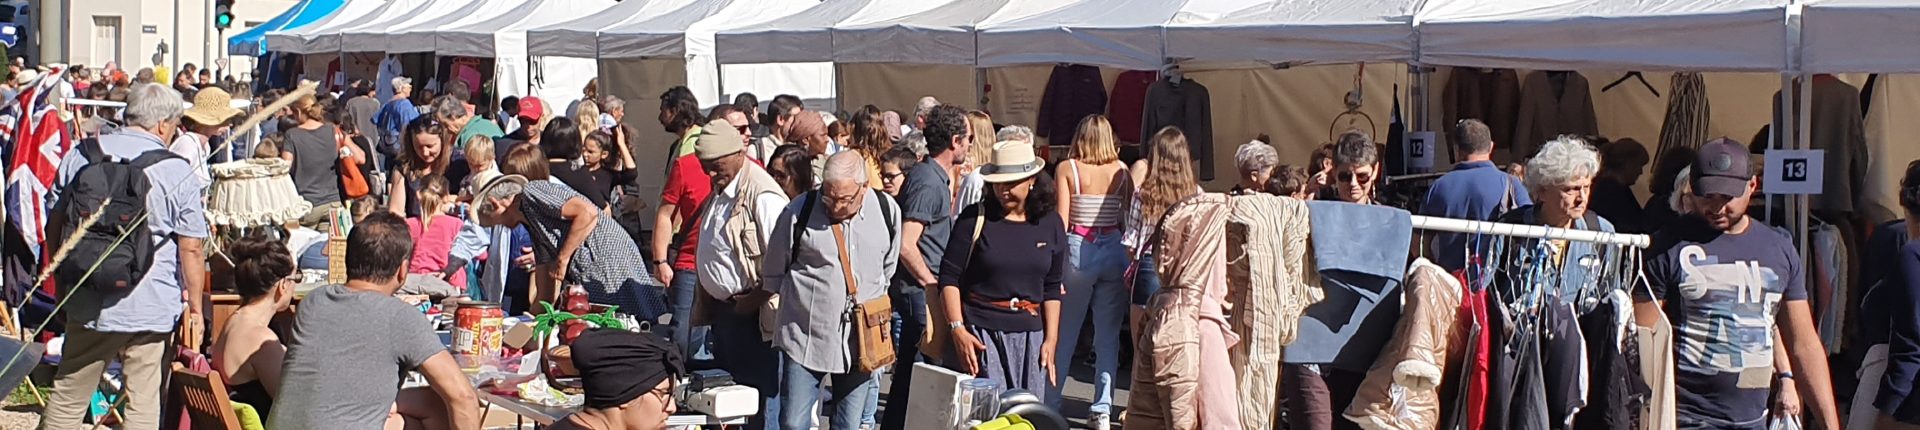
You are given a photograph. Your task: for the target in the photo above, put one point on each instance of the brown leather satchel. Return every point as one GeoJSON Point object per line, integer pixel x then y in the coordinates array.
{"type": "Point", "coordinates": [872, 320]}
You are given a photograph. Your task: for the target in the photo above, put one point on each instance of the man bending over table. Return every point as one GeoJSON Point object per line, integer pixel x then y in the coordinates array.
{"type": "Point", "coordinates": [352, 345]}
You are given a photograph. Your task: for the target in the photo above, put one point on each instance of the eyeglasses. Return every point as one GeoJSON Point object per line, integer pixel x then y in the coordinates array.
{"type": "Point", "coordinates": [888, 176]}
{"type": "Point", "coordinates": [744, 129]}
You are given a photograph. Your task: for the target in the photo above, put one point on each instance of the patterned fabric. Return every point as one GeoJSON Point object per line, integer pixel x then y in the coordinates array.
{"type": "Point", "coordinates": [1185, 327]}
{"type": "Point", "coordinates": [1269, 280]}
{"type": "Point", "coordinates": [608, 264]}
{"type": "Point", "coordinates": [1687, 115]}
{"type": "Point", "coordinates": [1402, 391]}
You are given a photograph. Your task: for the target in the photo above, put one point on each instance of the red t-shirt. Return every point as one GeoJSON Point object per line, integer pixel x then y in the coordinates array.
{"type": "Point", "coordinates": [687, 189]}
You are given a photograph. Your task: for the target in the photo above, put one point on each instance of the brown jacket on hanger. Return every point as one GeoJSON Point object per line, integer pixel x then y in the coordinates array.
{"type": "Point", "coordinates": [1417, 358]}
{"type": "Point", "coordinates": [1546, 114]}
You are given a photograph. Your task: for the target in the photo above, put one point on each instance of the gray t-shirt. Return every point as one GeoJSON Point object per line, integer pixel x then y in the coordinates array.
{"type": "Point", "coordinates": [363, 110]}
{"type": "Point", "coordinates": [316, 163]}
{"type": "Point", "coordinates": [927, 198]}
{"type": "Point", "coordinates": [347, 354]}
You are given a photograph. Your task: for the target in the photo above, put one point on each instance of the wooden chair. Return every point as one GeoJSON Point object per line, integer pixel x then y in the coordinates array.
{"type": "Point", "coordinates": [205, 398]}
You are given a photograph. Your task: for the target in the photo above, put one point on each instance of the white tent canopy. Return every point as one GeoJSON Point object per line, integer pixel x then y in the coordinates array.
{"type": "Point", "coordinates": [807, 36]}
{"type": "Point", "coordinates": [510, 31]}
{"type": "Point", "coordinates": [1699, 35]}
{"type": "Point", "coordinates": [371, 35]}
{"type": "Point", "coordinates": [576, 37]}
{"type": "Point", "coordinates": [504, 38]}
{"type": "Point", "coordinates": [689, 30]}
{"type": "Point", "coordinates": [1323, 31]}
{"type": "Point", "coordinates": [942, 35]}
{"type": "Point", "coordinates": [418, 35]}
{"type": "Point", "coordinates": [307, 38]}
{"type": "Point", "coordinates": [1119, 33]}
{"type": "Point", "coordinates": [1881, 36]}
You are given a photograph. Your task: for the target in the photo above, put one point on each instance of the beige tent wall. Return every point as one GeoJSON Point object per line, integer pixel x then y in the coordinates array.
{"type": "Point", "coordinates": [1890, 131]}
{"type": "Point", "coordinates": [900, 86]}
{"type": "Point", "coordinates": [640, 82]}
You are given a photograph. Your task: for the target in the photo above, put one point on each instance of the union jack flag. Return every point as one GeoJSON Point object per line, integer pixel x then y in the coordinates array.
{"type": "Point", "coordinates": [30, 125]}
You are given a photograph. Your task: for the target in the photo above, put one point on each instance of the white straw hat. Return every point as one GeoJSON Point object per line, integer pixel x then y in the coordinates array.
{"type": "Point", "coordinates": [1012, 161]}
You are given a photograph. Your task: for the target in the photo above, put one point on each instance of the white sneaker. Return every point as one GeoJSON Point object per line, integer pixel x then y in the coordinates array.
{"type": "Point", "coordinates": [1099, 421]}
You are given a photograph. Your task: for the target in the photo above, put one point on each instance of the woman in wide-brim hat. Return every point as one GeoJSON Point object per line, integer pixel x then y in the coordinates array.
{"type": "Point", "coordinates": [211, 115]}
{"type": "Point", "coordinates": [1002, 275]}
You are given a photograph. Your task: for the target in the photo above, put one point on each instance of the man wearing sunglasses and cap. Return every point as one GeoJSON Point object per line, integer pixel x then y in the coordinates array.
{"type": "Point", "coordinates": [1734, 290]}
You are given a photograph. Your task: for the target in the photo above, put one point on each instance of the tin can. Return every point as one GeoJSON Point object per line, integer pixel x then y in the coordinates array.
{"type": "Point", "coordinates": [477, 331]}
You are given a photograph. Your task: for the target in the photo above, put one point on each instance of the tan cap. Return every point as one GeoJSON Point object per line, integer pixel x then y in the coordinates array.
{"type": "Point", "coordinates": [717, 139]}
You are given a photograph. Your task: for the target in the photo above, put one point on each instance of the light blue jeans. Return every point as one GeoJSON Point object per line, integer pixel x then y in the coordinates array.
{"type": "Point", "coordinates": [1096, 268]}
{"type": "Point", "coordinates": [846, 400]}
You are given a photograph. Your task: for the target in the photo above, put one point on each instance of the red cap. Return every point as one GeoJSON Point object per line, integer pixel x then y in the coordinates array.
{"type": "Point", "coordinates": [530, 107]}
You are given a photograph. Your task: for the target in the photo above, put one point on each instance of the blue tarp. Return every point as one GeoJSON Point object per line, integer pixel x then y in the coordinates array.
{"type": "Point", "coordinates": [253, 42]}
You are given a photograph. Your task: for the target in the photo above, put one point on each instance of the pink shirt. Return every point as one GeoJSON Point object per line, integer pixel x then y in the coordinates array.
{"type": "Point", "coordinates": [432, 247]}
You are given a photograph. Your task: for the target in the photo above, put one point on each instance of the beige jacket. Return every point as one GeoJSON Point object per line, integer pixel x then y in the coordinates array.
{"type": "Point", "coordinates": [1416, 360]}
{"type": "Point", "coordinates": [1270, 281]}
{"type": "Point", "coordinates": [1180, 372]}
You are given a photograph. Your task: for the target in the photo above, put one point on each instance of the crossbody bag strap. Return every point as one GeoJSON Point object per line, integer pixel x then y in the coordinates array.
{"type": "Point", "coordinates": [846, 264]}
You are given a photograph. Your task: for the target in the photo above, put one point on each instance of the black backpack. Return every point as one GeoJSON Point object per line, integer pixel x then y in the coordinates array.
{"type": "Point", "coordinates": [806, 214]}
{"type": "Point", "coordinates": [116, 251]}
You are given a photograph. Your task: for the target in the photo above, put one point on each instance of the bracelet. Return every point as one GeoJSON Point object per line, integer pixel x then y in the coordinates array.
{"type": "Point", "coordinates": [954, 325]}
{"type": "Point", "coordinates": [1783, 375]}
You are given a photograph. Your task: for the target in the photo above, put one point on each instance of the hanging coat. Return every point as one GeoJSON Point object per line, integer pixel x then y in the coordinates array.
{"type": "Point", "coordinates": [1416, 360]}
{"type": "Point", "coordinates": [1270, 284]}
{"type": "Point", "coordinates": [1184, 329]}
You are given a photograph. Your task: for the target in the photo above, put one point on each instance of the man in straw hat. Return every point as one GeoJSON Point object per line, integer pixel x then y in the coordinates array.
{"type": "Point", "coordinates": [739, 217]}
{"type": "Point", "coordinates": [210, 117]}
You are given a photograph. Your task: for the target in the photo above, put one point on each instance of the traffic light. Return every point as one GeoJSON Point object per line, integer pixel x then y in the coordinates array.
{"type": "Point", "coordinates": [222, 14]}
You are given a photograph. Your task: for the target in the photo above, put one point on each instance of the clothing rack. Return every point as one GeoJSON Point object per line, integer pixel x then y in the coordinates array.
{"type": "Point", "coordinates": [1455, 225]}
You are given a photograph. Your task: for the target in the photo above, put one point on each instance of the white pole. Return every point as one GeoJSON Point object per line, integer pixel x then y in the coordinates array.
{"type": "Point", "coordinates": [1529, 231]}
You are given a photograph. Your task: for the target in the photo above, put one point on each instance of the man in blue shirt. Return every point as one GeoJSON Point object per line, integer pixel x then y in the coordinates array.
{"type": "Point", "coordinates": [132, 326]}
{"type": "Point", "coordinates": [1476, 189]}
{"type": "Point", "coordinates": [394, 116]}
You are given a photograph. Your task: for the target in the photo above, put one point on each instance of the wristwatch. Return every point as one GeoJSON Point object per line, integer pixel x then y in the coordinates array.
{"type": "Point", "coordinates": [954, 325]}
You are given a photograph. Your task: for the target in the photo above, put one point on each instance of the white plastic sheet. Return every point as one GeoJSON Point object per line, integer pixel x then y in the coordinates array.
{"type": "Point", "coordinates": [575, 38]}
{"type": "Point", "coordinates": [1323, 31]}
{"type": "Point", "coordinates": [304, 40]}
{"type": "Point", "coordinates": [1117, 33]}
{"type": "Point", "coordinates": [942, 35]}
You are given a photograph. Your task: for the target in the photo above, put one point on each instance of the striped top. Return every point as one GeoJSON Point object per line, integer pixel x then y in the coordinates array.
{"type": "Point", "coordinates": [1094, 210]}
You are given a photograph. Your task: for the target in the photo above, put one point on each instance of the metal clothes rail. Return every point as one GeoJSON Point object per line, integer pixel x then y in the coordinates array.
{"type": "Point", "coordinates": [1529, 231]}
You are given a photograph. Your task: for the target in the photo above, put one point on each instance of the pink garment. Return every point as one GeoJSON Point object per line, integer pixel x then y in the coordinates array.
{"type": "Point", "coordinates": [434, 246]}
{"type": "Point", "coordinates": [1182, 372]}
{"type": "Point", "coordinates": [1219, 391]}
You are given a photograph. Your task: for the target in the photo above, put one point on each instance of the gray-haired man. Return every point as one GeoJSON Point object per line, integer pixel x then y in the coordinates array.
{"type": "Point", "coordinates": [839, 234]}
{"type": "Point", "coordinates": [132, 325]}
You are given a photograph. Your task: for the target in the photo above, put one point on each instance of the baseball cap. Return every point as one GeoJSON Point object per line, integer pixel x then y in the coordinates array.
{"type": "Point", "coordinates": [530, 108]}
{"type": "Point", "coordinates": [1722, 166]}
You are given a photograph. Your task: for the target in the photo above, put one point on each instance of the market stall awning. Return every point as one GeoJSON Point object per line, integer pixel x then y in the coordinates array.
{"type": "Point", "coordinates": [1861, 36]}
{"type": "Point", "coordinates": [379, 35]}
{"type": "Point", "coordinates": [576, 38]}
{"type": "Point", "coordinates": [1118, 33]}
{"type": "Point", "coordinates": [253, 42]}
{"type": "Point", "coordinates": [688, 30]}
{"type": "Point", "coordinates": [1278, 31]}
{"type": "Point", "coordinates": [418, 35]}
{"type": "Point", "coordinates": [807, 36]}
{"type": "Point", "coordinates": [489, 37]}
{"type": "Point", "coordinates": [324, 35]}
{"type": "Point", "coordinates": [1689, 35]}
{"type": "Point", "coordinates": [942, 35]}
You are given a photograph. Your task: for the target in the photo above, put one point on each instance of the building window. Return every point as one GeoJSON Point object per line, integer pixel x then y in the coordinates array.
{"type": "Point", "coordinates": [106, 39]}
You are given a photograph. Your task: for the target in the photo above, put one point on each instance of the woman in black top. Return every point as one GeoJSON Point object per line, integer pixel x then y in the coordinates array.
{"type": "Point", "coordinates": [423, 154]}
{"type": "Point", "coordinates": [565, 149]}
{"type": "Point", "coordinates": [1004, 286]}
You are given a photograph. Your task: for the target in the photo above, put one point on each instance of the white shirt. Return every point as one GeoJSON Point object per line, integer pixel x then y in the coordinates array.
{"type": "Point", "coordinates": [193, 147]}
{"type": "Point", "coordinates": [719, 274]}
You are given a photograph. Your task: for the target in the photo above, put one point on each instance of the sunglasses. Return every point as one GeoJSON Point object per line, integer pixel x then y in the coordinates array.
{"type": "Point", "coordinates": [744, 129]}
{"type": "Point", "coordinates": [1349, 177]}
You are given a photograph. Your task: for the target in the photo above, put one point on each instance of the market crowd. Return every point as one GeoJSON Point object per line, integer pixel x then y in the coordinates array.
{"type": "Point", "coordinates": [786, 241]}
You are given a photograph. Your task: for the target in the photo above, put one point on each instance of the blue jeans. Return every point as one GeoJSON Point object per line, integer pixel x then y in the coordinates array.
{"type": "Point", "coordinates": [751, 361]}
{"type": "Point", "coordinates": [800, 390]}
{"type": "Point", "coordinates": [692, 340]}
{"type": "Point", "coordinates": [911, 303]}
{"type": "Point", "coordinates": [1094, 284]}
